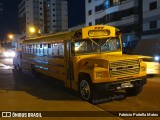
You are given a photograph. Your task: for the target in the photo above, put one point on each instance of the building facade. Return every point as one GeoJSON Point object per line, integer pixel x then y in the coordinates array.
{"type": "Point", "coordinates": [47, 16]}
{"type": "Point", "coordinates": [123, 14]}
{"type": "Point", "coordinates": [151, 19]}
{"type": "Point", "coordinates": [150, 37]}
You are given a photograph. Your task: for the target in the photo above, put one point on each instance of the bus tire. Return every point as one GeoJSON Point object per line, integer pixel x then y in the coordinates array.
{"type": "Point", "coordinates": [85, 89]}
{"type": "Point", "coordinates": [134, 91]}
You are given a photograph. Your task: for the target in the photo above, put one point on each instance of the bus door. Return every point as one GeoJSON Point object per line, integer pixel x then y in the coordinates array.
{"type": "Point", "coordinates": [69, 68]}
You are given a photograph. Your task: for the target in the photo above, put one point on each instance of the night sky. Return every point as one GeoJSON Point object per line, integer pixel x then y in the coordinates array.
{"type": "Point", "coordinates": [9, 19]}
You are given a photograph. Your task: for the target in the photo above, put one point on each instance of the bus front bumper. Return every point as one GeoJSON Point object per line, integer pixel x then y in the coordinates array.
{"type": "Point", "coordinates": [117, 85]}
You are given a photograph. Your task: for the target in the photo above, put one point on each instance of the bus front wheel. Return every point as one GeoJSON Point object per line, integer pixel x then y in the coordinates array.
{"type": "Point", "coordinates": [85, 90]}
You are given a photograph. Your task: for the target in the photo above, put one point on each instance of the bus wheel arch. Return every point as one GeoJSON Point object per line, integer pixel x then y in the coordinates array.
{"type": "Point", "coordinates": [85, 87]}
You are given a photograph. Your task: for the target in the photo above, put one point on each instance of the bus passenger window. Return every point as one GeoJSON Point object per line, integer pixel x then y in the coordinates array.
{"type": "Point", "coordinates": [55, 49]}
{"type": "Point", "coordinates": [45, 49]}
{"type": "Point", "coordinates": [38, 49]}
{"type": "Point", "coordinates": [31, 49]}
{"type": "Point", "coordinates": [27, 49]}
{"type": "Point", "coordinates": [41, 49]}
{"type": "Point", "coordinates": [49, 49]}
{"type": "Point", "coordinates": [34, 49]}
{"type": "Point", "coordinates": [61, 49]}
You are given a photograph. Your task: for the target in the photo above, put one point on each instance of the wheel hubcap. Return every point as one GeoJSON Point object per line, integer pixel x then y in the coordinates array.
{"type": "Point", "coordinates": [85, 90]}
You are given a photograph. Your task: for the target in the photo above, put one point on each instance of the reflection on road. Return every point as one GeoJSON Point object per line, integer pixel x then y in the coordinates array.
{"type": "Point", "coordinates": [2, 66]}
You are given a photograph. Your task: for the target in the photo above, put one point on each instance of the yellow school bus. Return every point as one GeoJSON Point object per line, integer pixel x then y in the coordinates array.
{"type": "Point", "coordinates": [87, 60]}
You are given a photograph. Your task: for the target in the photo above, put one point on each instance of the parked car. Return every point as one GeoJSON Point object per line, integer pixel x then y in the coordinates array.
{"type": "Point", "coordinates": [152, 65]}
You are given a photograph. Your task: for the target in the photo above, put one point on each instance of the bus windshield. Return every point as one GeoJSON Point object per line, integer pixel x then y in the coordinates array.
{"type": "Point", "coordinates": [90, 46]}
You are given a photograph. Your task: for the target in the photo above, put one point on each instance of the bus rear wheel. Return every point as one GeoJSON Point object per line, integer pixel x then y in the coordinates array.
{"type": "Point", "coordinates": [85, 90]}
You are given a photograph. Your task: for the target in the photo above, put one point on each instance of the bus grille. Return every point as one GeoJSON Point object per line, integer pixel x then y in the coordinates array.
{"type": "Point", "coordinates": [123, 68]}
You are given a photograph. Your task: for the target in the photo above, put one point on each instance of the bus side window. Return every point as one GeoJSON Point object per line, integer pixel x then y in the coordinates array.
{"type": "Point", "coordinates": [38, 49]}
{"type": "Point", "coordinates": [50, 49]}
{"type": "Point", "coordinates": [41, 49]}
{"type": "Point", "coordinates": [34, 49]}
{"type": "Point", "coordinates": [45, 49]}
{"type": "Point", "coordinates": [55, 49]}
{"type": "Point", "coordinates": [61, 49]}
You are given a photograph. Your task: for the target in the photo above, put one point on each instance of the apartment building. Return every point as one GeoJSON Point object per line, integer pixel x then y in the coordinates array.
{"type": "Point", "coordinates": [47, 16]}
{"type": "Point", "coordinates": [123, 14]}
{"type": "Point", "coordinates": [150, 38]}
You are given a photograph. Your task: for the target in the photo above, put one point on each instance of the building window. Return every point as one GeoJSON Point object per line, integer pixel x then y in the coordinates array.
{"type": "Point", "coordinates": [89, 1]}
{"type": "Point", "coordinates": [90, 23]}
{"type": "Point", "coordinates": [90, 12]}
{"type": "Point", "coordinates": [114, 2]}
{"type": "Point", "coordinates": [99, 8]}
{"type": "Point", "coordinates": [153, 5]}
{"type": "Point", "coordinates": [106, 4]}
{"type": "Point", "coordinates": [153, 24]}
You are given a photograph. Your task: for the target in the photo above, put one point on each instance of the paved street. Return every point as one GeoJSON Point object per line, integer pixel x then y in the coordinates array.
{"type": "Point", "coordinates": [23, 92]}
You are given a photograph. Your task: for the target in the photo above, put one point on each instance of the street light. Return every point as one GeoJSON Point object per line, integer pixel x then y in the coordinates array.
{"type": "Point", "coordinates": [10, 36]}
{"type": "Point", "coordinates": [32, 30]}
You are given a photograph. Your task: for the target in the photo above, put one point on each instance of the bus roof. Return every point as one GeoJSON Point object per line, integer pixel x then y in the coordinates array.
{"type": "Point", "coordinates": [82, 33]}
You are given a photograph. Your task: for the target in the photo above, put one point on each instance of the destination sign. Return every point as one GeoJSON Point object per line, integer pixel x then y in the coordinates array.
{"type": "Point", "coordinates": [96, 33]}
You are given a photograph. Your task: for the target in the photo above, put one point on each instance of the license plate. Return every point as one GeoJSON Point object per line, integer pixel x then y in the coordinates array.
{"type": "Point", "coordinates": [126, 85]}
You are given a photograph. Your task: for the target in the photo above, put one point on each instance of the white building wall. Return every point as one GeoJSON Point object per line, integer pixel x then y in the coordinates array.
{"type": "Point", "coordinates": [57, 14]}
{"type": "Point", "coordinates": [95, 15]}
{"type": "Point", "coordinates": [148, 16]}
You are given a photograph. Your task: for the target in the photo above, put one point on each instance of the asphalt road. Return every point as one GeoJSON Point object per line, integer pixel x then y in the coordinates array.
{"type": "Point", "coordinates": [21, 91]}
{"type": "Point", "coordinates": [148, 101]}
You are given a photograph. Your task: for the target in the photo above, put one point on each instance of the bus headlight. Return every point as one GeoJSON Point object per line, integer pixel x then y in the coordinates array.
{"type": "Point", "coordinates": [156, 58]}
{"type": "Point", "coordinates": [99, 75]}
